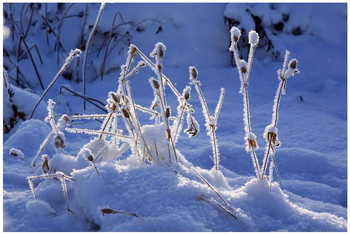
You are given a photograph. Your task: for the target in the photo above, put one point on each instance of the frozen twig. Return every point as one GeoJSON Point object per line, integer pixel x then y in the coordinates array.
{"type": "Point", "coordinates": [59, 175]}
{"type": "Point", "coordinates": [72, 55]}
{"type": "Point", "coordinates": [244, 70]}
{"type": "Point", "coordinates": [159, 91]}
{"type": "Point", "coordinates": [290, 68]}
{"type": "Point", "coordinates": [210, 121]}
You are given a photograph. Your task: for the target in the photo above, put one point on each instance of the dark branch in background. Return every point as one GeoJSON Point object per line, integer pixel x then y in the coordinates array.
{"type": "Point", "coordinates": [87, 49]}
{"type": "Point", "coordinates": [90, 100]}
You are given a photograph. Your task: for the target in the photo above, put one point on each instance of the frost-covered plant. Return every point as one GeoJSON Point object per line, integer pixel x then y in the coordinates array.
{"type": "Point", "coordinates": [57, 175]}
{"type": "Point", "coordinates": [210, 120]}
{"type": "Point", "coordinates": [69, 59]}
{"type": "Point", "coordinates": [289, 69]}
{"type": "Point", "coordinates": [18, 153]}
{"type": "Point", "coordinates": [56, 131]}
{"type": "Point", "coordinates": [144, 141]}
{"type": "Point", "coordinates": [244, 69]}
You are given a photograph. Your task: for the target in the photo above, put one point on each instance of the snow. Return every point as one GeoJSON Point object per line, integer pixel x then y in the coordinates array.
{"type": "Point", "coordinates": [308, 195]}
{"type": "Point", "coordinates": [253, 37]}
{"type": "Point", "coordinates": [39, 208]}
{"type": "Point", "coordinates": [16, 153]}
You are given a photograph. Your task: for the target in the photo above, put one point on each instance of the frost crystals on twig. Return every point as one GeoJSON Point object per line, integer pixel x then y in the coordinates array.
{"type": "Point", "coordinates": [244, 69]}
{"type": "Point", "coordinates": [210, 121]}
{"type": "Point", "coordinates": [59, 175]}
{"type": "Point", "coordinates": [290, 68]}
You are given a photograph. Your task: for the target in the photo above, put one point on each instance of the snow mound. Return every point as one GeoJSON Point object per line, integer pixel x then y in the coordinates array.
{"type": "Point", "coordinates": [272, 210]}
{"type": "Point", "coordinates": [165, 199]}
{"type": "Point", "coordinates": [39, 208]}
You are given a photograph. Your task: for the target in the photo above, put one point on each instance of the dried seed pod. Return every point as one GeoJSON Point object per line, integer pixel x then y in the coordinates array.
{"type": "Point", "coordinates": [235, 38]}
{"type": "Point", "coordinates": [193, 73]}
{"type": "Point", "coordinates": [252, 143]}
{"type": "Point", "coordinates": [167, 112]}
{"type": "Point", "coordinates": [192, 129]}
{"type": "Point", "coordinates": [125, 113]}
{"type": "Point", "coordinates": [168, 134]}
{"type": "Point", "coordinates": [271, 136]}
{"type": "Point", "coordinates": [132, 51]}
{"type": "Point", "coordinates": [115, 97]}
{"type": "Point", "coordinates": [108, 211]}
{"type": "Point", "coordinates": [65, 117]}
{"type": "Point", "coordinates": [235, 34]}
{"type": "Point", "coordinates": [161, 52]}
{"type": "Point", "coordinates": [112, 107]}
{"type": "Point", "coordinates": [59, 141]}
{"type": "Point", "coordinates": [187, 96]}
{"type": "Point", "coordinates": [45, 165]}
{"type": "Point", "coordinates": [160, 67]}
{"type": "Point", "coordinates": [243, 65]}
{"type": "Point", "coordinates": [90, 158]}
{"type": "Point", "coordinates": [155, 84]}
{"type": "Point", "coordinates": [293, 64]}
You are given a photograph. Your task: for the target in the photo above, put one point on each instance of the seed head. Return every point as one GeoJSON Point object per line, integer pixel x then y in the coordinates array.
{"type": "Point", "coordinates": [59, 141]}
{"type": "Point", "coordinates": [115, 97]}
{"type": "Point", "coordinates": [293, 64]}
{"type": "Point", "coordinates": [155, 84]}
{"type": "Point", "coordinates": [125, 113]}
{"type": "Point", "coordinates": [160, 67]}
{"type": "Point", "coordinates": [13, 153]}
{"type": "Point", "coordinates": [161, 53]}
{"type": "Point", "coordinates": [193, 73]}
{"type": "Point", "coordinates": [235, 34]}
{"type": "Point", "coordinates": [90, 158]}
{"type": "Point", "coordinates": [45, 166]}
{"type": "Point", "coordinates": [108, 211]}
{"type": "Point", "coordinates": [253, 38]}
{"type": "Point", "coordinates": [243, 65]}
{"type": "Point", "coordinates": [252, 144]}
{"type": "Point", "coordinates": [132, 50]}
{"type": "Point", "coordinates": [167, 112]}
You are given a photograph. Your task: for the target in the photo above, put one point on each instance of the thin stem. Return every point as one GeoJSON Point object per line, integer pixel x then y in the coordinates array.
{"type": "Point", "coordinates": [88, 99]}
{"type": "Point", "coordinates": [278, 101]}
{"type": "Point", "coordinates": [163, 105]}
{"type": "Point", "coordinates": [33, 62]}
{"type": "Point", "coordinates": [107, 46]}
{"type": "Point", "coordinates": [256, 162]}
{"type": "Point", "coordinates": [137, 119]}
{"type": "Point", "coordinates": [29, 23]}
{"type": "Point", "coordinates": [87, 49]}
{"type": "Point", "coordinates": [246, 108]}
{"type": "Point", "coordinates": [69, 59]}
{"type": "Point", "coordinates": [53, 31]}
{"type": "Point", "coordinates": [266, 158]}
{"type": "Point", "coordinates": [179, 122]}
{"type": "Point", "coordinates": [215, 151]}
{"type": "Point", "coordinates": [210, 126]}
{"type": "Point", "coordinates": [274, 122]}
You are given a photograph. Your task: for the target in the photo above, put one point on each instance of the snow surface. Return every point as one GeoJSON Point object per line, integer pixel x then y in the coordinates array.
{"type": "Point", "coordinates": [311, 194]}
